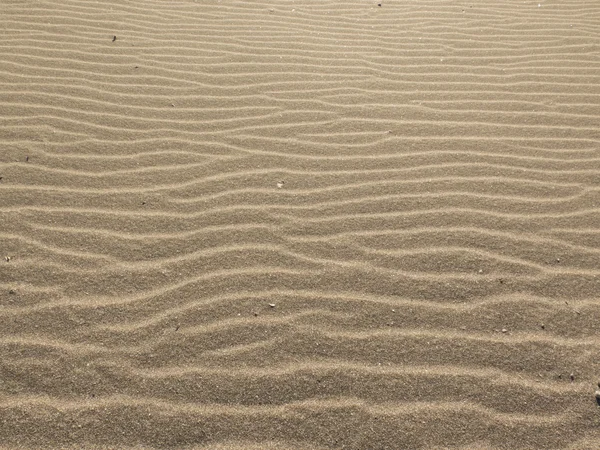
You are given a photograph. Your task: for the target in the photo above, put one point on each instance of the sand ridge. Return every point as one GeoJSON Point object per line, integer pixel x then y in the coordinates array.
{"type": "Point", "coordinates": [300, 224]}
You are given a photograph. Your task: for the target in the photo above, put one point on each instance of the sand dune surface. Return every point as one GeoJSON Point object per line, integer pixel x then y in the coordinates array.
{"type": "Point", "coordinates": [304, 224]}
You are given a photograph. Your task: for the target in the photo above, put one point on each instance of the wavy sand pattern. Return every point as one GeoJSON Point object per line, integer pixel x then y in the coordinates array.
{"type": "Point", "coordinates": [300, 224]}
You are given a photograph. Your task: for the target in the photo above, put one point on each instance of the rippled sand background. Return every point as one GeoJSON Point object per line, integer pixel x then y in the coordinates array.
{"type": "Point", "coordinates": [299, 224]}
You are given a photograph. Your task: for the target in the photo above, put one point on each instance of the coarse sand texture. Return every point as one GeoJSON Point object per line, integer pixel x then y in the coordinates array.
{"type": "Point", "coordinates": [299, 224]}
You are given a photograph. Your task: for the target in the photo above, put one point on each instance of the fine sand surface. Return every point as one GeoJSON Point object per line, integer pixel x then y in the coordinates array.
{"type": "Point", "coordinates": [306, 224]}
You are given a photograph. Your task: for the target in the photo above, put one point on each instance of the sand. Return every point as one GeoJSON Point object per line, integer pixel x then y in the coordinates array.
{"type": "Point", "coordinates": [304, 224]}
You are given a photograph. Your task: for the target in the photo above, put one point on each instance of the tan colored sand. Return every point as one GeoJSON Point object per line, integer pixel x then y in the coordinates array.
{"type": "Point", "coordinates": [299, 224]}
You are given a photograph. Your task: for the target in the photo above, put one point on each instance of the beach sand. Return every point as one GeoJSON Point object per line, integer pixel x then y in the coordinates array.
{"type": "Point", "coordinates": [305, 224]}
